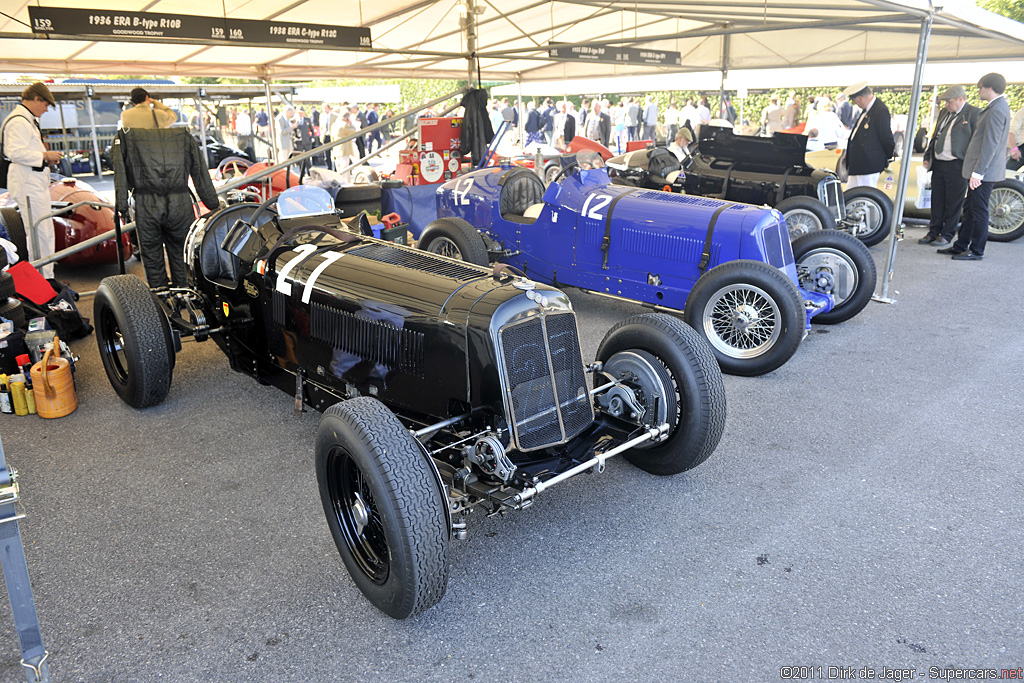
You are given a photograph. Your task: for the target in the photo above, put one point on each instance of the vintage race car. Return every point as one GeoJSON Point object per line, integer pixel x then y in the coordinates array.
{"type": "Point", "coordinates": [728, 268]}
{"type": "Point", "coordinates": [446, 387]}
{"type": "Point", "coordinates": [759, 170]}
{"type": "Point", "coordinates": [1005, 206]}
{"type": "Point", "coordinates": [81, 224]}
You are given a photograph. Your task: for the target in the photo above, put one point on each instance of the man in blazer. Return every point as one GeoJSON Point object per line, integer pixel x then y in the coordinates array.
{"type": "Point", "coordinates": [984, 165]}
{"type": "Point", "coordinates": [871, 144]}
{"type": "Point", "coordinates": [945, 158]}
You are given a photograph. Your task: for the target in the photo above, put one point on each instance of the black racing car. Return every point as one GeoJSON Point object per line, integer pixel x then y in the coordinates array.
{"type": "Point", "coordinates": [759, 170]}
{"type": "Point", "coordinates": [216, 152]}
{"type": "Point", "coordinates": [445, 387]}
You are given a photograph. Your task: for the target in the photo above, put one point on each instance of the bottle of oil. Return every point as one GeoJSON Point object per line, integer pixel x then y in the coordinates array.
{"type": "Point", "coordinates": [30, 395]}
{"type": "Point", "coordinates": [18, 394]}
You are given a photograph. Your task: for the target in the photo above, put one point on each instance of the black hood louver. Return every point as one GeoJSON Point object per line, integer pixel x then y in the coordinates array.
{"type": "Point", "coordinates": [425, 262]}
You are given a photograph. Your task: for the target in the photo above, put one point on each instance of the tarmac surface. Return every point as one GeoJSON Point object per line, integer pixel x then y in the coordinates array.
{"type": "Point", "coordinates": [863, 510]}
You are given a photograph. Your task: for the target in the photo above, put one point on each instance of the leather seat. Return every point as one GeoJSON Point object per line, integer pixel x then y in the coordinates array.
{"type": "Point", "coordinates": [218, 265]}
{"type": "Point", "coordinates": [521, 189]}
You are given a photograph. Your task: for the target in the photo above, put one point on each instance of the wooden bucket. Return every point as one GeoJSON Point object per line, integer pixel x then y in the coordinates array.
{"type": "Point", "coordinates": [53, 385]}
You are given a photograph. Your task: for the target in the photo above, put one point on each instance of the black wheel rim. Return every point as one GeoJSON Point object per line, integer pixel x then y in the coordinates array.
{"type": "Point", "coordinates": [112, 345]}
{"type": "Point", "coordinates": [357, 516]}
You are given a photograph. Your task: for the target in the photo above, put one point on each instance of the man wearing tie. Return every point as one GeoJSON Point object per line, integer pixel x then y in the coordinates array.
{"type": "Point", "coordinates": [984, 166]}
{"type": "Point", "coordinates": [945, 159]}
{"type": "Point", "coordinates": [871, 144]}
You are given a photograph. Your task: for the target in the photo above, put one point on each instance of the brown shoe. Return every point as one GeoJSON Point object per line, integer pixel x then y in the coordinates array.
{"type": "Point", "coordinates": [940, 242]}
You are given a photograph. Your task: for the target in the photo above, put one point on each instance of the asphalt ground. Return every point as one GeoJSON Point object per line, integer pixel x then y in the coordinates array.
{"type": "Point", "coordinates": [863, 510]}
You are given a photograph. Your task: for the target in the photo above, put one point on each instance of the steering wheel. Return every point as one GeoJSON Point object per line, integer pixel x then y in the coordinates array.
{"type": "Point", "coordinates": [236, 166]}
{"type": "Point", "coordinates": [554, 181]}
{"type": "Point", "coordinates": [265, 206]}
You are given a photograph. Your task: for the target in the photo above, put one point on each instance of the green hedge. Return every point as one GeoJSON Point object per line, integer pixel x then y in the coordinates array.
{"type": "Point", "coordinates": [898, 101]}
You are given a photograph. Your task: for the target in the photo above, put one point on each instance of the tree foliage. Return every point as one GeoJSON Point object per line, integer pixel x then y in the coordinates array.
{"type": "Point", "coordinates": [1014, 9]}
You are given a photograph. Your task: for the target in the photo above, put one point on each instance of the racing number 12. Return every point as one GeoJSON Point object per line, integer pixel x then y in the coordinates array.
{"type": "Point", "coordinates": [600, 201]}
{"type": "Point", "coordinates": [461, 191]}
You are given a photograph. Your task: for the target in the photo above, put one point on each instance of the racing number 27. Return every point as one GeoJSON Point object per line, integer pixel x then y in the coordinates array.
{"type": "Point", "coordinates": [600, 201]}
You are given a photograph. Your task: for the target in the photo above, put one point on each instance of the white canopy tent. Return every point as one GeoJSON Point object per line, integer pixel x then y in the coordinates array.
{"type": "Point", "coordinates": [510, 41]}
{"type": "Point", "coordinates": [435, 38]}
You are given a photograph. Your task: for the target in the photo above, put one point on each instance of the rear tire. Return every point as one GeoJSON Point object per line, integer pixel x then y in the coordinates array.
{"type": "Point", "coordinates": [750, 313]}
{"type": "Point", "coordinates": [134, 341]}
{"type": "Point", "coordinates": [1006, 211]}
{"type": "Point", "coordinates": [870, 210]}
{"type": "Point", "coordinates": [15, 230]}
{"type": "Point", "coordinates": [382, 506]}
{"type": "Point", "coordinates": [804, 215]}
{"type": "Point", "coordinates": [454, 238]}
{"type": "Point", "coordinates": [838, 264]}
{"type": "Point", "coordinates": [658, 354]}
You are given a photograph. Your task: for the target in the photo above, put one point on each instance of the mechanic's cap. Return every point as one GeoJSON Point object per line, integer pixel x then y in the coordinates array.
{"type": "Point", "coordinates": [40, 91]}
{"type": "Point", "coordinates": [856, 90]}
{"type": "Point", "coordinates": [953, 92]}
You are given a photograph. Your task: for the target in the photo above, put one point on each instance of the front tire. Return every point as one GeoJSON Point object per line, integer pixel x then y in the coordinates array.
{"type": "Point", "coordinates": [869, 212]}
{"type": "Point", "coordinates": [833, 262]}
{"type": "Point", "coordinates": [804, 215]}
{"type": "Point", "coordinates": [383, 507]}
{"type": "Point", "coordinates": [454, 238]}
{"type": "Point", "coordinates": [1006, 211]}
{"type": "Point", "coordinates": [134, 341]}
{"type": "Point", "coordinates": [658, 355]}
{"type": "Point", "coordinates": [750, 313]}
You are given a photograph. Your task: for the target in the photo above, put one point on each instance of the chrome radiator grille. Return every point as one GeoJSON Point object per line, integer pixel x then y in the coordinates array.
{"type": "Point", "coordinates": [545, 380]}
{"type": "Point", "coordinates": [830, 192]}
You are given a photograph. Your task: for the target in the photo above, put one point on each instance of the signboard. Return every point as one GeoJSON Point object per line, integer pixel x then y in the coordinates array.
{"type": "Point", "coordinates": [176, 28]}
{"type": "Point", "coordinates": [614, 54]}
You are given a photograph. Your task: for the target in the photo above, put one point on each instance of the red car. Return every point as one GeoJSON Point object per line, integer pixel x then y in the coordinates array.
{"type": "Point", "coordinates": [70, 229]}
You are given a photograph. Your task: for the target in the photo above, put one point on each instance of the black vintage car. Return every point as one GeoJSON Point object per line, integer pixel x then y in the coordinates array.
{"type": "Point", "coordinates": [758, 170]}
{"type": "Point", "coordinates": [445, 387]}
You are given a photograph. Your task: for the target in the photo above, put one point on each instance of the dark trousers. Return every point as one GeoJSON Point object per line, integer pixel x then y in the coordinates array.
{"type": "Point", "coordinates": [948, 190]}
{"type": "Point", "coordinates": [162, 222]}
{"type": "Point", "coordinates": [974, 227]}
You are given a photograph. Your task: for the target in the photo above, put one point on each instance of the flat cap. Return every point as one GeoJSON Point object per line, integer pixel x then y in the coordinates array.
{"type": "Point", "coordinates": [953, 92]}
{"type": "Point", "coordinates": [855, 89]}
{"type": "Point", "coordinates": [38, 90]}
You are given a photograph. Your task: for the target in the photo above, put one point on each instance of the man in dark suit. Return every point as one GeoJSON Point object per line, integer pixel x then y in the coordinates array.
{"type": "Point", "coordinates": [871, 144]}
{"type": "Point", "coordinates": [945, 158]}
{"type": "Point", "coordinates": [984, 166]}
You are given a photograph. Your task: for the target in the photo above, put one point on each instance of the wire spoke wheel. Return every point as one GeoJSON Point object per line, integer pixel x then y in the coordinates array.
{"type": "Point", "coordinates": [742, 321]}
{"type": "Point", "coordinates": [445, 247]}
{"type": "Point", "coordinates": [801, 222]}
{"type": "Point", "coordinates": [1006, 210]}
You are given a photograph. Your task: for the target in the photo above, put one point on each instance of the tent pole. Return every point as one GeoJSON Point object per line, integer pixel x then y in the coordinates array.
{"type": "Point", "coordinates": [725, 72]}
{"type": "Point", "coordinates": [519, 109]}
{"type": "Point", "coordinates": [273, 121]}
{"type": "Point", "coordinates": [470, 26]}
{"type": "Point", "coordinates": [92, 128]}
{"type": "Point", "coordinates": [908, 150]}
{"type": "Point", "coordinates": [64, 146]}
{"type": "Point", "coordinates": [202, 127]}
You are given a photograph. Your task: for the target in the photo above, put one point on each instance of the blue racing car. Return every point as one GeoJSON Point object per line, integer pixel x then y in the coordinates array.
{"type": "Point", "coordinates": [728, 268]}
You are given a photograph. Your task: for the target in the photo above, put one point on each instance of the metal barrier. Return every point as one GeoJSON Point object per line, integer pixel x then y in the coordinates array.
{"type": "Point", "coordinates": [263, 175]}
